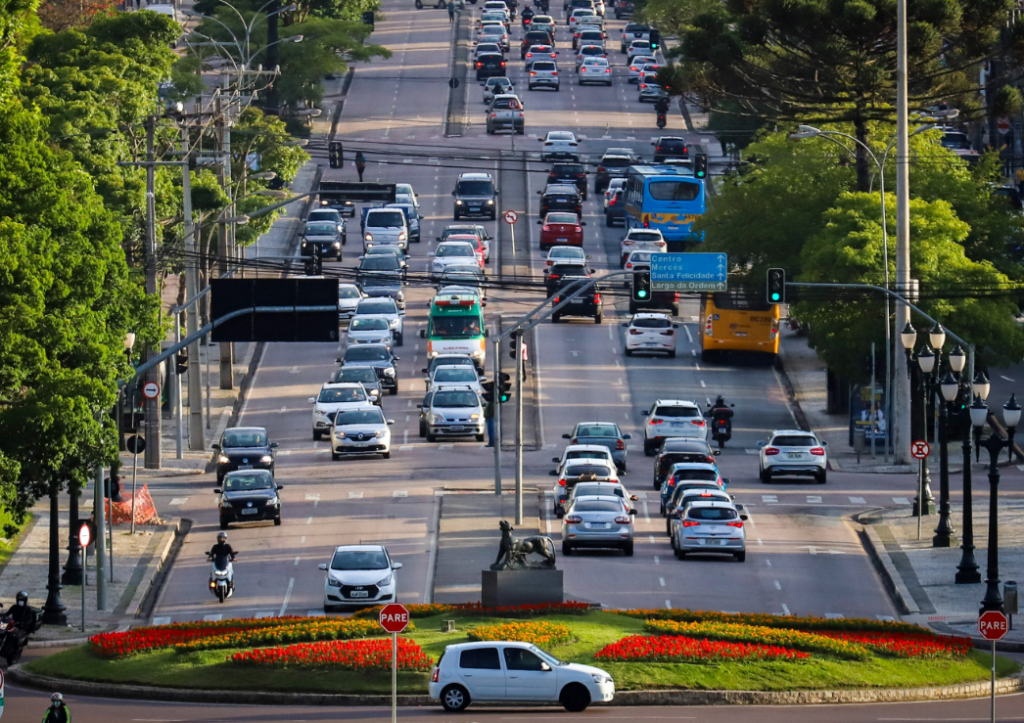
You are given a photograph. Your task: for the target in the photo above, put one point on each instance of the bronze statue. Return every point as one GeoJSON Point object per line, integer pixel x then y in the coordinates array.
{"type": "Point", "coordinates": [512, 552]}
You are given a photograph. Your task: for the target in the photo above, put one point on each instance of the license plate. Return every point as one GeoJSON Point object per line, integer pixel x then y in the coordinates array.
{"type": "Point", "coordinates": [474, 208]}
{"type": "Point", "coordinates": [456, 429]}
{"type": "Point", "coordinates": [360, 593]}
{"type": "Point", "coordinates": [562, 240]}
{"type": "Point", "coordinates": [740, 333]}
{"type": "Point", "coordinates": [794, 455]}
{"type": "Point", "coordinates": [245, 466]}
{"type": "Point", "coordinates": [650, 343]}
{"type": "Point", "coordinates": [249, 511]}
{"type": "Point", "coordinates": [597, 525]}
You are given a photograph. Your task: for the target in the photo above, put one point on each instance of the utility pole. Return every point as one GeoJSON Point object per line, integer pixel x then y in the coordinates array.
{"type": "Point", "coordinates": [901, 382]}
{"type": "Point", "coordinates": [273, 13]}
{"type": "Point", "coordinates": [153, 411]}
{"type": "Point", "coordinates": [223, 233]}
{"type": "Point", "coordinates": [99, 514]}
{"type": "Point", "coordinates": [196, 429]}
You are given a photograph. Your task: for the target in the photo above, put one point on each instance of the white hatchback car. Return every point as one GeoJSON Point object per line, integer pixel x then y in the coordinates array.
{"type": "Point", "coordinates": [669, 418]}
{"type": "Point", "coordinates": [711, 527]}
{"type": "Point", "coordinates": [640, 239]}
{"type": "Point", "coordinates": [506, 671]}
{"type": "Point", "coordinates": [651, 333]}
{"type": "Point", "coordinates": [349, 295]}
{"type": "Point", "coordinates": [560, 144]}
{"type": "Point", "coordinates": [449, 253]}
{"type": "Point", "coordinates": [793, 452]}
{"type": "Point", "coordinates": [361, 432]}
{"type": "Point", "coordinates": [359, 575]}
{"type": "Point", "coordinates": [333, 398]}
{"type": "Point", "coordinates": [369, 330]}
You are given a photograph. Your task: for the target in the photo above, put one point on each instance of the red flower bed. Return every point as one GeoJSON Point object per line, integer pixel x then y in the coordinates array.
{"type": "Point", "coordinates": [139, 640]}
{"type": "Point", "coordinates": [671, 649]}
{"type": "Point", "coordinates": [514, 611]}
{"type": "Point", "coordinates": [368, 655]}
{"type": "Point", "coordinates": [905, 645]}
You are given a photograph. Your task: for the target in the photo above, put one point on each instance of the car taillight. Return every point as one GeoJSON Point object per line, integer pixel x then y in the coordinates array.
{"type": "Point", "coordinates": [435, 675]}
{"type": "Point", "coordinates": [697, 422]}
{"type": "Point", "coordinates": [578, 229]}
{"type": "Point", "coordinates": [656, 421]}
{"type": "Point", "coordinates": [690, 523]}
{"type": "Point", "coordinates": [627, 242]}
{"type": "Point", "coordinates": [554, 72]}
{"type": "Point", "coordinates": [657, 148]}
{"type": "Point", "coordinates": [643, 85]}
{"type": "Point", "coordinates": [623, 520]}
{"type": "Point", "coordinates": [817, 451]}
{"type": "Point", "coordinates": [770, 451]}
{"type": "Point", "coordinates": [607, 70]}
{"type": "Point", "coordinates": [619, 445]}
{"type": "Point", "coordinates": [554, 276]}
{"type": "Point", "coordinates": [635, 332]}
{"type": "Point", "coordinates": [545, 227]}
{"type": "Point", "coordinates": [574, 519]}
{"type": "Point", "coordinates": [494, 115]}
{"type": "Point", "coordinates": [479, 64]}
{"type": "Point", "coordinates": [601, 169]}
{"type": "Point", "coordinates": [597, 298]}
{"type": "Point", "coordinates": [533, 72]}
{"type": "Point", "coordinates": [709, 459]}
{"type": "Point", "coordinates": [707, 326]}
{"type": "Point", "coordinates": [667, 333]}
{"type": "Point", "coordinates": [775, 330]}
{"type": "Point", "coordinates": [581, 175]}
{"type": "Point", "coordinates": [613, 201]}
{"type": "Point", "coordinates": [632, 67]}
{"type": "Point", "coordinates": [503, 64]}
{"type": "Point", "coordinates": [557, 299]}
{"type": "Point", "coordinates": [738, 523]}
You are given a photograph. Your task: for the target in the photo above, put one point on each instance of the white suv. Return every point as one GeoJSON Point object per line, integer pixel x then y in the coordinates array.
{"type": "Point", "coordinates": [507, 671]}
{"type": "Point", "coordinates": [793, 452]}
{"type": "Point", "coordinates": [651, 333]}
{"type": "Point", "coordinates": [641, 239]}
{"type": "Point", "coordinates": [668, 418]}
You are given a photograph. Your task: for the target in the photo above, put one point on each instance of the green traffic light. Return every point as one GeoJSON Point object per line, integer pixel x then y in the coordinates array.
{"type": "Point", "coordinates": [642, 294]}
{"type": "Point", "coordinates": [775, 296]}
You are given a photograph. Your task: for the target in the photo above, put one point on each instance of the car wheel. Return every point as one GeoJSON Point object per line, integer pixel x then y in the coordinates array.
{"type": "Point", "coordinates": [335, 456]}
{"type": "Point", "coordinates": [675, 309]}
{"type": "Point", "coordinates": [529, 87]}
{"type": "Point", "coordinates": [330, 608]}
{"type": "Point", "coordinates": [598, 318]}
{"type": "Point", "coordinates": [680, 554]}
{"type": "Point", "coordinates": [479, 438]}
{"type": "Point", "coordinates": [431, 437]}
{"type": "Point", "coordinates": [766, 476]}
{"type": "Point", "coordinates": [608, 220]}
{"type": "Point", "coordinates": [385, 455]}
{"type": "Point", "coordinates": [317, 436]}
{"type": "Point", "coordinates": [566, 549]}
{"type": "Point", "coordinates": [705, 355]}
{"type": "Point", "coordinates": [628, 352]}
{"type": "Point", "coordinates": [627, 549]}
{"type": "Point", "coordinates": [661, 509]}
{"type": "Point", "coordinates": [423, 430]}
{"type": "Point", "coordinates": [399, 339]}
{"type": "Point", "coordinates": [454, 698]}
{"type": "Point", "coordinates": [419, 4]}
{"type": "Point", "coordinates": [277, 521]}
{"type": "Point", "coordinates": [456, 215]}
{"type": "Point", "coordinates": [821, 478]}
{"type": "Point", "coordinates": [555, 318]}
{"type": "Point", "coordinates": [672, 354]}
{"type": "Point", "coordinates": [649, 451]}
{"type": "Point", "coordinates": [394, 390]}
{"type": "Point", "coordinates": [741, 556]}
{"type": "Point", "coordinates": [575, 698]}
{"type": "Point", "coordinates": [223, 524]}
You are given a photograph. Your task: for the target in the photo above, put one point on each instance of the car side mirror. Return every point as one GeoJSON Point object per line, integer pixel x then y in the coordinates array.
{"type": "Point", "coordinates": [555, 460]}
{"type": "Point", "coordinates": [725, 480]}
{"type": "Point", "coordinates": [280, 487]}
{"type": "Point", "coordinates": [424, 370]}
{"type": "Point", "coordinates": [645, 413]}
{"type": "Point", "coordinates": [627, 436]}
{"type": "Point", "coordinates": [540, 222]}
{"type": "Point", "coordinates": [438, 238]}
{"type": "Point", "coordinates": [566, 436]}
{"type": "Point", "coordinates": [322, 566]}
{"type": "Point", "coordinates": [391, 421]}
{"type": "Point", "coordinates": [676, 326]}
{"type": "Point", "coordinates": [215, 446]}
{"type": "Point", "coordinates": [716, 452]}
{"type": "Point", "coordinates": [545, 668]}
{"type": "Point", "coordinates": [744, 517]}
{"type": "Point", "coordinates": [554, 472]}
{"type": "Point", "coordinates": [419, 406]}
{"type": "Point", "coordinates": [396, 358]}
{"type": "Point", "coordinates": [217, 490]}
{"type": "Point", "coordinates": [311, 400]}
{"type": "Point", "coordinates": [396, 566]}
{"type": "Point", "coordinates": [337, 359]}
{"type": "Point", "coordinates": [273, 445]}
{"type": "Point", "coordinates": [823, 443]}
{"type": "Point", "coordinates": [423, 335]}
{"type": "Point", "coordinates": [634, 498]}
{"type": "Point", "coordinates": [625, 324]}
{"type": "Point", "coordinates": [632, 512]}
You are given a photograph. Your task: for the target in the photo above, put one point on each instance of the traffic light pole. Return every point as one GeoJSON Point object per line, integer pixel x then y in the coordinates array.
{"type": "Point", "coordinates": [519, 427]}
{"type": "Point", "coordinates": [496, 411]}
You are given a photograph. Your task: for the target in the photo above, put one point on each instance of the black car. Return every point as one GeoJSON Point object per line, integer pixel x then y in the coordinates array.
{"type": "Point", "coordinates": [676, 450]}
{"type": "Point", "coordinates": [323, 237]}
{"type": "Point", "coordinates": [574, 173]}
{"type": "Point", "coordinates": [670, 147]}
{"type": "Point", "coordinates": [561, 198]}
{"type": "Point", "coordinates": [425, 413]}
{"type": "Point", "coordinates": [378, 357]}
{"type": "Point", "coordinates": [248, 496]}
{"type": "Point", "coordinates": [490, 65]}
{"type": "Point", "coordinates": [586, 303]}
{"type": "Point", "coordinates": [534, 37]}
{"type": "Point", "coordinates": [244, 448]}
{"type": "Point", "coordinates": [560, 270]}
{"type": "Point", "coordinates": [616, 209]}
{"type": "Point", "coordinates": [610, 166]}
{"type": "Point", "coordinates": [366, 376]}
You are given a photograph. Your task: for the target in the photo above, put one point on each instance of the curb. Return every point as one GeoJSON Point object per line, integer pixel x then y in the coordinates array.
{"type": "Point", "coordinates": [624, 698]}
{"type": "Point", "coordinates": [154, 565]}
{"type": "Point", "coordinates": [882, 563]}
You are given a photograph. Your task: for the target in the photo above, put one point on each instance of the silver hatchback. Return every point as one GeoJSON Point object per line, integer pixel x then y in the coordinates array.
{"type": "Point", "coordinates": [711, 527]}
{"type": "Point", "coordinates": [602, 522]}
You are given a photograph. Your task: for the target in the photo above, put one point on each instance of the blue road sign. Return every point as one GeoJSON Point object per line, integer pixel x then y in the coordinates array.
{"type": "Point", "coordinates": [689, 272]}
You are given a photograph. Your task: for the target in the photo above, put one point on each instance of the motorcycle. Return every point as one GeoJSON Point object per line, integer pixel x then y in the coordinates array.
{"type": "Point", "coordinates": [222, 576]}
{"type": "Point", "coordinates": [14, 638]}
{"type": "Point", "coordinates": [721, 428]}
{"type": "Point", "coordinates": [661, 120]}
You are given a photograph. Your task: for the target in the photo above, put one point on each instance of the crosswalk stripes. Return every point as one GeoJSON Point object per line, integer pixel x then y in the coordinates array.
{"type": "Point", "coordinates": [355, 495]}
{"type": "Point", "coordinates": [901, 500]}
{"type": "Point", "coordinates": [769, 499]}
{"type": "Point", "coordinates": [400, 493]}
{"type": "Point", "coordinates": [164, 620]}
{"type": "Point", "coordinates": [834, 616]}
{"type": "Point", "coordinates": [213, 618]}
{"type": "Point", "coordinates": [886, 618]}
{"type": "Point", "coordinates": [264, 614]}
{"type": "Point", "coordinates": [318, 613]}
{"type": "Point", "coordinates": [178, 501]}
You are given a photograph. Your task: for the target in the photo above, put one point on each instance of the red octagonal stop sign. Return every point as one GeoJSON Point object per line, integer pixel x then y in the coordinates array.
{"type": "Point", "coordinates": [394, 618]}
{"type": "Point", "coordinates": [993, 625]}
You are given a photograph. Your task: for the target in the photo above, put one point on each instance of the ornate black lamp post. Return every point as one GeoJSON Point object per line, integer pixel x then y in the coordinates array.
{"type": "Point", "coordinates": [924, 502]}
{"type": "Point", "coordinates": [949, 387]}
{"type": "Point", "coordinates": [995, 444]}
{"type": "Point", "coordinates": [967, 572]}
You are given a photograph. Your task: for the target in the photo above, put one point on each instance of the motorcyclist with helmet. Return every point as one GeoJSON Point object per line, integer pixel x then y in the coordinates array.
{"type": "Point", "coordinates": [528, 14]}
{"type": "Point", "coordinates": [720, 412]}
{"type": "Point", "coordinates": [17, 622]}
{"type": "Point", "coordinates": [58, 712]}
{"type": "Point", "coordinates": [222, 548]}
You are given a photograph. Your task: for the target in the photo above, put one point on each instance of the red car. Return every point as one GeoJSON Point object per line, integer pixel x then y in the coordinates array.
{"type": "Point", "coordinates": [561, 229]}
{"type": "Point", "coordinates": [474, 241]}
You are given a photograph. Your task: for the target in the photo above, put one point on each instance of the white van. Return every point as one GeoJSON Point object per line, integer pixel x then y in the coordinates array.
{"type": "Point", "coordinates": [385, 226]}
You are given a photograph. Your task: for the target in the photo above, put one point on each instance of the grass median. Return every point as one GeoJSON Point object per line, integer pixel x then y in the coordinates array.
{"type": "Point", "coordinates": [211, 669]}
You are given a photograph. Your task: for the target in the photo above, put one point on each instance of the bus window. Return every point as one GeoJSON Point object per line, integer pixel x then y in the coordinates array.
{"type": "Point", "coordinates": [674, 190]}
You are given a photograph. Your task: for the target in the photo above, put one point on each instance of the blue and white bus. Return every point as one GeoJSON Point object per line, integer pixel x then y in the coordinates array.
{"type": "Point", "coordinates": [667, 198]}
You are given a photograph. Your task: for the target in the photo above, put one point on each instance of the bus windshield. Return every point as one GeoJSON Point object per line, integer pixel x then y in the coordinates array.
{"type": "Point", "coordinates": [455, 327]}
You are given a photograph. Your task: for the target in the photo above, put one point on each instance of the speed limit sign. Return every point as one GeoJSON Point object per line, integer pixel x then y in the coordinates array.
{"type": "Point", "coordinates": [511, 217]}
{"type": "Point", "coordinates": [151, 390]}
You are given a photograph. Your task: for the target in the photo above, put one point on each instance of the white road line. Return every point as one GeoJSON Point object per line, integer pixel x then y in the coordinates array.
{"type": "Point", "coordinates": [668, 604]}
{"type": "Point", "coordinates": [264, 614]}
{"type": "Point", "coordinates": [215, 617]}
{"type": "Point", "coordinates": [888, 618]}
{"type": "Point", "coordinates": [760, 542]}
{"type": "Point", "coordinates": [297, 558]}
{"type": "Point", "coordinates": [834, 616]}
{"type": "Point", "coordinates": [400, 493]}
{"type": "Point", "coordinates": [813, 499]}
{"type": "Point", "coordinates": [315, 614]}
{"type": "Point", "coordinates": [769, 499]}
{"type": "Point", "coordinates": [287, 596]}
{"type": "Point", "coordinates": [778, 585]}
{"type": "Point", "coordinates": [857, 500]}
{"type": "Point", "coordinates": [405, 434]}
{"type": "Point", "coordinates": [162, 620]}
{"type": "Point", "coordinates": [309, 521]}
{"type": "Point", "coordinates": [901, 500]}
{"type": "Point", "coordinates": [688, 334]}
{"type": "Point", "coordinates": [355, 495]}
{"type": "Point", "coordinates": [651, 539]}
{"type": "Point", "coordinates": [302, 540]}
{"type": "Point", "coordinates": [179, 501]}
{"type": "Point", "coordinates": [610, 332]}
{"type": "Point", "coordinates": [647, 516]}
{"type": "Point", "coordinates": [693, 352]}
{"type": "Point", "coordinates": [767, 562]}
{"type": "Point", "coordinates": [703, 385]}
{"type": "Point", "coordinates": [312, 497]}
{"type": "Point", "coordinates": [657, 560]}
{"type": "Point", "coordinates": [661, 581]}
{"type": "Point", "coordinates": [785, 609]}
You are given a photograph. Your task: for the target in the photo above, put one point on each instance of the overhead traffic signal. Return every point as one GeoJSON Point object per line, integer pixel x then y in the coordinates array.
{"type": "Point", "coordinates": [181, 361]}
{"type": "Point", "coordinates": [642, 286]}
{"type": "Point", "coordinates": [700, 165]}
{"type": "Point", "coordinates": [776, 286]}
{"type": "Point", "coordinates": [513, 345]}
{"type": "Point", "coordinates": [335, 154]}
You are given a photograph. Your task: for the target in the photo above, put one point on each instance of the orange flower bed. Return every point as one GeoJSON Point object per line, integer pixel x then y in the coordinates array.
{"type": "Point", "coordinates": [536, 632]}
{"type": "Point", "coordinates": [365, 655]}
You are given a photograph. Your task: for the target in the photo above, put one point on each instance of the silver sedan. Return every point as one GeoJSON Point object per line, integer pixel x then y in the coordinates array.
{"type": "Point", "coordinates": [604, 522]}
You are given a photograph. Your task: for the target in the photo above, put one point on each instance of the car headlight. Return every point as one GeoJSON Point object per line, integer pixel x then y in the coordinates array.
{"type": "Point", "coordinates": [266, 459]}
{"type": "Point", "coordinates": [474, 416]}
{"type": "Point", "coordinates": [477, 353]}
{"type": "Point", "coordinates": [437, 419]}
{"type": "Point", "coordinates": [401, 236]}
{"type": "Point", "coordinates": [380, 433]}
{"type": "Point", "coordinates": [600, 679]}
{"type": "Point", "coordinates": [389, 372]}
{"type": "Point", "coordinates": [368, 237]}
{"type": "Point", "coordinates": [318, 410]}
{"type": "Point", "coordinates": [223, 459]}
{"type": "Point", "coordinates": [458, 201]}
{"type": "Point", "coordinates": [490, 202]}
{"type": "Point", "coordinates": [304, 244]}
{"type": "Point", "coordinates": [273, 502]}
{"type": "Point", "coordinates": [394, 323]}
{"type": "Point", "coordinates": [374, 392]}
{"type": "Point", "coordinates": [337, 244]}
{"type": "Point", "coordinates": [333, 583]}
{"type": "Point", "coordinates": [386, 581]}
{"type": "Point", "coordinates": [339, 435]}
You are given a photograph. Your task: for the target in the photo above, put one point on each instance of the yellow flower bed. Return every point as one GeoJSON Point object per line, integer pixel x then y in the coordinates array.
{"type": "Point", "coordinates": [536, 632]}
{"type": "Point", "coordinates": [308, 630]}
{"type": "Point", "coordinates": [761, 635]}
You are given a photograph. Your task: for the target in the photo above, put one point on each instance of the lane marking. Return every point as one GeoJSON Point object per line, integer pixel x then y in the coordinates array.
{"type": "Point", "coordinates": [355, 495]}
{"type": "Point", "coordinates": [179, 500]}
{"type": "Point", "coordinates": [657, 560]}
{"type": "Point", "coordinates": [901, 500]}
{"type": "Point", "coordinates": [661, 581]}
{"type": "Point", "coordinates": [287, 596]}
{"type": "Point", "coordinates": [400, 493]}
{"type": "Point", "coordinates": [834, 616]}
{"type": "Point", "coordinates": [857, 500]}
{"type": "Point", "coordinates": [813, 499]}
{"type": "Point", "coordinates": [264, 614]}
{"type": "Point", "coordinates": [309, 521]}
{"type": "Point", "coordinates": [768, 562]}
{"type": "Point", "coordinates": [668, 604]}
{"type": "Point", "coordinates": [163, 620]}
{"type": "Point", "coordinates": [311, 496]}
{"type": "Point", "coordinates": [768, 499]}
{"type": "Point", "coordinates": [688, 334]}
{"type": "Point", "coordinates": [297, 558]}
{"type": "Point", "coordinates": [785, 609]}
{"type": "Point", "coordinates": [778, 585]}
{"type": "Point", "coordinates": [215, 617]}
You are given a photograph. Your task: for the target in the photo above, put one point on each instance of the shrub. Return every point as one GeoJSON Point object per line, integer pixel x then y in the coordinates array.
{"type": "Point", "coordinates": [364, 655]}
{"type": "Point", "coordinates": [672, 649]}
{"type": "Point", "coordinates": [538, 633]}
{"type": "Point", "coordinates": [760, 635]}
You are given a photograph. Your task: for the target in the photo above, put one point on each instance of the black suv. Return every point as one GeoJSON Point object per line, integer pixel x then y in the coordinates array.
{"type": "Point", "coordinates": [681, 449]}
{"type": "Point", "coordinates": [561, 270]}
{"type": "Point", "coordinates": [534, 37]}
{"type": "Point", "coordinates": [561, 198]}
{"type": "Point", "coordinates": [574, 173]}
{"type": "Point", "coordinates": [360, 375]}
{"type": "Point", "coordinates": [490, 65]}
{"type": "Point", "coordinates": [670, 147]}
{"type": "Point", "coordinates": [379, 357]}
{"type": "Point", "coordinates": [611, 165]}
{"type": "Point", "coordinates": [244, 448]}
{"type": "Point", "coordinates": [586, 303]}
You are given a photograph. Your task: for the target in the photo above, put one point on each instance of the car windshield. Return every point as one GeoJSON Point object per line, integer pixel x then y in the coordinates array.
{"type": "Point", "coordinates": [388, 219]}
{"type": "Point", "coordinates": [343, 394]}
{"type": "Point", "coordinates": [368, 325]}
{"type": "Point", "coordinates": [546, 656]}
{"type": "Point", "coordinates": [355, 374]}
{"type": "Point", "coordinates": [712, 513]}
{"type": "Point", "coordinates": [640, 256]}
{"type": "Point", "coordinates": [569, 270]}
{"type": "Point", "coordinates": [360, 560]}
{"type": "Point", "coordinates": [586, 454]}
{"type": "Point", "coordinates": [244, 438]}
{"type": "Point", "coordinates": [348, 292]}
{"type": "Point", "coordinates": [380, 262]}
{"type": "Point", "coordinates": [321, 229]}
{"type": "Point", "coordinates": [473, 188]}
{"type": "Point", "coordinates": [697, 475]}
{"type": "Point", "coordinates": [561, 137]}
{"type": "Point", "coordinates": [463, 374]}
{"type": "Point", "coordinates": [678, 412]}
{"type": "Point", "coordinates": [482, 48]}
{"type": "Point", "coordinates": [359, 416]}
{"type": "Point", "coordinates": [324, 215]}
{"type": "Point", "coordinates": [235, 482]}
{"type": "Point", "coordinates": [792, 440]}
{"type": "Point", "coordinates": [456, 399]}
{"type": "Point", "coordinates": [586, 505]}
{"type": "Point", "coordinates": [596, 430]}
{"type": "Point", "coordinates": [652, 323]}
{"type": "Point", "coordinates": [366, 353]}
{"type": "Point", "coordinates": [377, 307]}
{"type": "Point", "coordinates": [674, 190]}
{"type": "Point", "coordinates": [454, 250]}
{"type": "Point", "coordinates": [565, 252]}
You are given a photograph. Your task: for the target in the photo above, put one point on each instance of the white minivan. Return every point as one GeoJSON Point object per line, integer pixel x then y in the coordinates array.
{"type": "Point", "coordinates": [385, 226]}
{"type": "Point", "coordinates": [507, 671]}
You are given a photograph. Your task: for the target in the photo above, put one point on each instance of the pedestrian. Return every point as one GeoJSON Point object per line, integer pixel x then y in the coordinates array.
{"type": "Point", "coordinates": [360, 164]}
{"type": "Point", "coordinates": [451, 11]}
{"type": "Point", "coordinates": [526, 358]}
{"type": "Point", "coordinates": [57, 712]}
{"type": "Point", "coordinates": [489, 408]}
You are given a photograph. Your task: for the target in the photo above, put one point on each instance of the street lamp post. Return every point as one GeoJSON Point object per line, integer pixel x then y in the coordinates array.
{"type": "Point", "coordinates": [967, 572]}
{"type": "Point", "coordinates": [950, 388]}
{"type": "Point", "coordinates": [995, 444]}
{"type": "Point", "coordinates": [924, 502]}
{"type": "Point", "coordinates": [925, 363]}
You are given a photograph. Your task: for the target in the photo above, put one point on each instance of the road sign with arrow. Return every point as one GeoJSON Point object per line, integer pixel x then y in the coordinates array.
{"type": "Point", "coordinates": [689, 272]}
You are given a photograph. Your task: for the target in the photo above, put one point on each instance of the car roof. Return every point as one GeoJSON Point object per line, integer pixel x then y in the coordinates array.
{"type": "Point", "coordinates": [595, 424]}
{"type": "Point", "coordinates": [449, 366]}
{"type": "Point", "coordinates": [359, 548]}
{"type": "Point", "coordinates": [449, 242]}
{"type": "Point", "coordinates": [561, 188]}
{"type": "Point", "coordinates": [675, 402]}
{"type": "Point", "coordinates": [694, 465]}
{"type": "Point", "coordinates": [457, 647]}
{"type": "Point", "coordinates": [584, 461]}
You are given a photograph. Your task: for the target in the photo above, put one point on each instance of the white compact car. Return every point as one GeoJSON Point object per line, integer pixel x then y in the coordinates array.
{"type": "Point", "coordinates": [793, 453]}
{"type": "Point", "coordinates": [506, 671]}
{"type": "Point", "coordinates": [669, 418]}
{"type": "Point", "coordinates": [560, 144]}
{"type": "Point", "coordinates": [369, 330]}
{"type": "Point", "coordinates": [449, 253]}
{"type": "Point", "coordinates": [348, 296]}
{"type": "Point", "coordinates": [359, 575]}
{"type": "Point", "coordinates": [651, 333]}
{"type": "Point", "coordinates": [332, 399]}
{"type": "Point", "coordinates": [361, 432]}
{"type": "Point", "coordinates": [640, 239]}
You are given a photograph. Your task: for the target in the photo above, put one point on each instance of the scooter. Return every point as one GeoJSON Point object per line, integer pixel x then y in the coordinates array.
{"type": "Point", "coordinates": [222, 576]}
{"type": "Point", "coordinates": [721, 430]}
{"type": "Point", "coordinates": [661, 120]}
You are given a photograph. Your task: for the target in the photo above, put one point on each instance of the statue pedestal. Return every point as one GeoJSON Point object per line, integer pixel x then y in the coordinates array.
{"type": "Point", "coordinates": [501, 588]}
